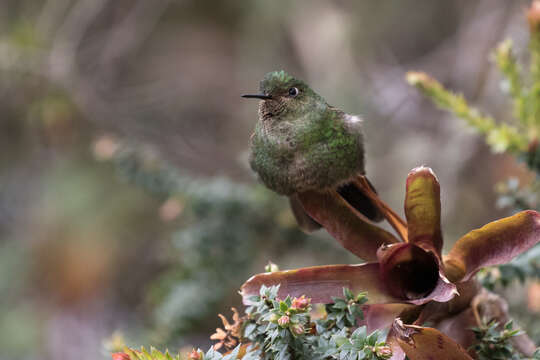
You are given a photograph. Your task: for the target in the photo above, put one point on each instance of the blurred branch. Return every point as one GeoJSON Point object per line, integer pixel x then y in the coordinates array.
{"type": "Point", "coordinates": [506, 61]}
{"type": "Point", "coordinates": [502, 137]}
{"type": "Point", "coordinates": [62, 64]}
{"type": "Point", "coordinates": [28, 61]}
{"type": "Point", "coordinates": [128, 36]}
{"type": "Point", "coordinates": [51, 15]}
{"type": "Point", "coordinates": [68, 39]}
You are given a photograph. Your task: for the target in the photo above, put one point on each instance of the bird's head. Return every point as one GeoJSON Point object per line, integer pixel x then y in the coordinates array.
{"type": "Point", "coordinates": [285, 97]}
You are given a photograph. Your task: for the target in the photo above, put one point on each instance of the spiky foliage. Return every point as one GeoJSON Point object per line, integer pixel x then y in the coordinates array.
{"type": "Point", "coordinates": [333, 336]}
{"type": "Point", "coordinates": [345, 312]}
{"type": "Point", "coordinates": [494, 342]}
{"type": "Point", "coordinates": [285, 329]}
{"type": "Point", "coordinates": [236, 354]}
{"type": "Point", "coordinates": [143, 354]}
{"type": "Point", "coordinates": [500, 136]}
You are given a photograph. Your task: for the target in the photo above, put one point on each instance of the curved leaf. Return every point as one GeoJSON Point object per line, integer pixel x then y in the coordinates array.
{"type": "Point", "coordinates": [381, 316]}
{"type": "Point", "coordinates": [436, 311]}
{"type": "Point", "coordinates": [423, 209]}
{"type": "Point", "coordinates": [355, 232]}
{"type": "Point", "coordinates": [392, 341]}
{"type": "Point", "coordinates": [420, 343]}
{"type": "Point", "coordinates": [458, 327]}
{"type": "Point", "coordinates": [413, 274]}
{"type": "Point", "coordinates": [321, 283]}
{"type": "Point", "coordinates": [493, 244]}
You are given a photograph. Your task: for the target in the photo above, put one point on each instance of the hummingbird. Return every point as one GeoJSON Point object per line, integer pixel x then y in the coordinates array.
{"type": "Point", "coordinates": [301, 143]}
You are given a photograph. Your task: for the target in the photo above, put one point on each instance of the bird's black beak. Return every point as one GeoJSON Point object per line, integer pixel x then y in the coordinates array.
{"type": "Point", "coordinates": [257, 96]}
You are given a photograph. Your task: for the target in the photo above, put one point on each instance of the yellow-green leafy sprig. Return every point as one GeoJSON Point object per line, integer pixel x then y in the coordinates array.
{"type": "Point", "coordinates": [501, 137]}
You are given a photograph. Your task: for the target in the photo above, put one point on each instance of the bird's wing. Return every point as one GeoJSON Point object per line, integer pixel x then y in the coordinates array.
{"type": "Point", "coordinates": [305, 222]}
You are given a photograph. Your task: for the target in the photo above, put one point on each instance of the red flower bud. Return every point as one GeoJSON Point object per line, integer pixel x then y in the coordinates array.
{"type": "Point", "coordinates": [283, 321]}
{"type": "Point", "coordinates": [384, 351]}
{"type": "Point", "coordinates": [195, 355]}
{"type": "Point", "coordinates": [300, 303]}
{"type": "Point", "coordinates": [120, 356]}
{"type": "Point", "coordinates": [297, 329]}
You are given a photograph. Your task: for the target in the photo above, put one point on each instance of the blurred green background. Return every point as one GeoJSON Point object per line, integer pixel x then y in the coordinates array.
{"type": "Point", "coordinates": [126, 200]}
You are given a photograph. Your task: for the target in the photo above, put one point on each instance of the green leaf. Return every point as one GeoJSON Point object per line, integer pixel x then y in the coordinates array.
{"type": "Point", "coordinates": [348, 294]}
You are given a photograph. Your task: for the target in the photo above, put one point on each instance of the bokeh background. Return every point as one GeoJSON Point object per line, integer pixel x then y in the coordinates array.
{"type": "Point", "coordinates": [127, 207]}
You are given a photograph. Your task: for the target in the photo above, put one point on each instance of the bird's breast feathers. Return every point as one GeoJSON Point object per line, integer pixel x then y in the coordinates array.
{"type": "Point", "coordinates": [297, 157]}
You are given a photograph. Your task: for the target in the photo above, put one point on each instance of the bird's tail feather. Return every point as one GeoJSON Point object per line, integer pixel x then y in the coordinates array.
{"type": "Point", "coordinates": [358, 199]}
{"type": "Point", "coordinates": [352, 192]}
{"type": "Point", "coordinates": [306, 223]}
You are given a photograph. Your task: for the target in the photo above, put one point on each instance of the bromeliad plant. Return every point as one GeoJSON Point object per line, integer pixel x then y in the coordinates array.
{"type": "Point", "coordinates": [408, 283]}
{"type": "Point", "coordinates": [518, 136]}
{"type": "Point", "coordinates": [408, 280]}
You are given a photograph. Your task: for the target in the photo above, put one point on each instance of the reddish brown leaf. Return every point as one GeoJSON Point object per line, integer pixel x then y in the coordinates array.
{"type": "Point", "coordinates": [413, 274]}
{"type": "Point", "coordinates": [458, 328]}
{"type": "Point", "coordinates": [435, 311]}
{"type": "Point", "coordinates": [424, 343]}
{"type": "Point", "coordinates": [232, 333]}
{"type": "Point", "coordinates": [354, 232]}
{"type": "Point", "coordinates": [423, 209]}
{"type": "Point", "coordinates": [321, 283]}
{"type": "Point", "coordinates": [381, 316]}
{"type": "Point", "coordinates": [493, 244]}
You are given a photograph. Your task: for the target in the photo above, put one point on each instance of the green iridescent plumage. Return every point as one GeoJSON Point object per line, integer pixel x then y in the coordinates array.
{"type": "Point", "coordinates": [313, 152]}
{"type": "Point", "coordinates": [301, 143]}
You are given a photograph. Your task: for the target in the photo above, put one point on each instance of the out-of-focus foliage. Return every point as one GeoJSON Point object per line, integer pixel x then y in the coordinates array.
{"type": "Point", "coordinates": [524, 267]}
{"type": "Point", "coordinates": [520, 135]}
{"type": "Point", "coordinates": [501, 137]}
{"type": "Point", "coordinates": [222, 228]}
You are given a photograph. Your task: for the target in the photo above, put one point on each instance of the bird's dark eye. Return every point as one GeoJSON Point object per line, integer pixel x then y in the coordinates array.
{"type": "Point", "coordinates": [293, 92]}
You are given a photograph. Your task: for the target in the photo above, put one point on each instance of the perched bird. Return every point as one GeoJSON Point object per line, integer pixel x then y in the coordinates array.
{"type": "Point", "coordinates": [301, 143]}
